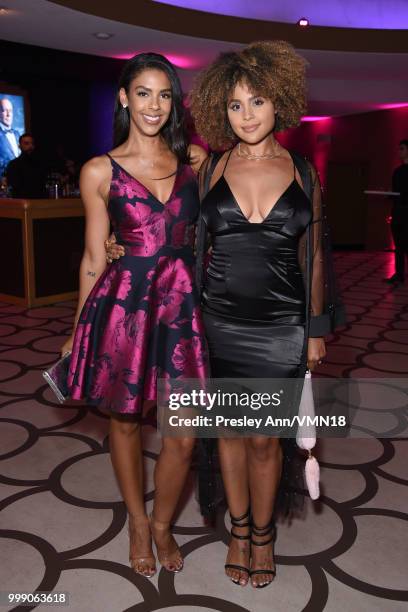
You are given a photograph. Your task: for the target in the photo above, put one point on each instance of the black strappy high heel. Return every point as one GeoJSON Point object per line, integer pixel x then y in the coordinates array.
{"type": "Point", "coordinates": [260, 532]}
{"type": "Point", "coordinates": [237, 522]}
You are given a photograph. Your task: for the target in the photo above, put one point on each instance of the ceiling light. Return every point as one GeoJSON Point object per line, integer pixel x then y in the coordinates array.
{"type": "Point", "coordinates": [303, 22]}
{"type": "Point", "coordinates": [103, 35]}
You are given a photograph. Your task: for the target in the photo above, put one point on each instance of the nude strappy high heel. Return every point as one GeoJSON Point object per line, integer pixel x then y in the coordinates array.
{"type": "Point", "coordinates": [146, 559]}
{"type": "Point", "coordinates": [169, 558]}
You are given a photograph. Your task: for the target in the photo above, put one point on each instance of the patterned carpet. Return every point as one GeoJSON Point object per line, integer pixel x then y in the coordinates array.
{"type": "Point", "coordinates": [62, 521]}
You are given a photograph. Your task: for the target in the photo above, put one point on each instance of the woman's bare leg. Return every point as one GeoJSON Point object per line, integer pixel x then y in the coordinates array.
{"type": "Point", "coordinates": [265, 466]}
{"type": "Point", "coordinates": [234, 468]}
{"type": "Point", "coordinates": [127, 459]}
{"type": "Point", "coordinates": [170, 476]}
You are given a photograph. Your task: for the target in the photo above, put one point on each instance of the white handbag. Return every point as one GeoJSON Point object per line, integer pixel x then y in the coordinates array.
{"type": "Point", "coordinates": [306, 437]}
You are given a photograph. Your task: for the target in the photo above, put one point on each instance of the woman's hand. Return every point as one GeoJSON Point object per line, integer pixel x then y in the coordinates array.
{"type": "Point", "coordinates": [197, 156]}
{"type": "Point", "coordinates": [113, 250]}
{"type": "Point", "coordinates": [67, 346]}
{"type": "Point", "coordinates": [316, 350]}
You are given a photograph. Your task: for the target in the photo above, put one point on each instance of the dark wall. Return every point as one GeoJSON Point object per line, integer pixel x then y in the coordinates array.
{"type": "Point", "coordinates": [354, 153]}
{"type": "Point", "coordinates": [70, 96]}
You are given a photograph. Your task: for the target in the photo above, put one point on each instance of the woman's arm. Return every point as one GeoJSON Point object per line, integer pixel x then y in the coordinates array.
{"type": "Point", "coordinates": [198, 155]}
{"type": "Point", "coordinates": [203, 241]}
{"type": "Point", "coordinates": [316, 345]}
{"type": "Point", "coordinates": [93, 182]}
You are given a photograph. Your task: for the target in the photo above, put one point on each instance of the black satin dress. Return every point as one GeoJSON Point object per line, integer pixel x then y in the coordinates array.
{"type": "Point", "coordinates": [254, 296]}
{"type": "Point", "coordinates": [254, 308]}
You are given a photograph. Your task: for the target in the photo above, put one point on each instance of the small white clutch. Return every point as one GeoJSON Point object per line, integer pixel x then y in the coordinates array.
{"type": "Point", "coordinates": [306, 436]}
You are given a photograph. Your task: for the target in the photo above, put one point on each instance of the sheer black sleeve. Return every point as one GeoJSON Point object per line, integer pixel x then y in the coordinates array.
{"type": "Point", "coordinates": [202, 235]}
{"type": "Point", "coordinates": [319, 320]}
{"type": "Point", "coordinates": [326, 310]}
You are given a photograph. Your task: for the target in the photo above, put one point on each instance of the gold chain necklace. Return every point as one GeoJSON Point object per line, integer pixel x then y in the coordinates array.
{"type": "Point", "coordinates": [253, 157]}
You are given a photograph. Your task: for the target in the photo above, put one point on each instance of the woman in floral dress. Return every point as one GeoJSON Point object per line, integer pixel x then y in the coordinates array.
{"type": "Point", "coordinates": [138, 319]}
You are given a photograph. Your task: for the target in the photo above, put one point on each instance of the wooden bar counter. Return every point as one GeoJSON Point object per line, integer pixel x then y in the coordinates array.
{"type": "Point", "coordinates": [41, 244]}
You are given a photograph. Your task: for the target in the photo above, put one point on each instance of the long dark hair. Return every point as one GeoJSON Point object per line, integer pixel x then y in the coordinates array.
{"type": "Point", "coordinates": [174, 132]}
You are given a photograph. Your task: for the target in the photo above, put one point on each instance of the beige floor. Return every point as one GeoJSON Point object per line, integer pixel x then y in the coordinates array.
{"type": "Point", "coordinates": [62, 522]}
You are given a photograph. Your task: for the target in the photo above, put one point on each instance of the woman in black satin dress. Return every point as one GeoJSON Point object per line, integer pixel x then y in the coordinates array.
{"type": "Point", "coordinates": [258, 318]}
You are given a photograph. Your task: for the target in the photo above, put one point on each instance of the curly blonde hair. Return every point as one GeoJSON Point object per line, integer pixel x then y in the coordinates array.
{"type": "Point", "coordinates": [270, 68]}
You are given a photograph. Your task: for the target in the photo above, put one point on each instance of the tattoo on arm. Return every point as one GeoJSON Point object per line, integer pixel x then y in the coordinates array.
{"type": "Point", "coordinates": [90, 273]}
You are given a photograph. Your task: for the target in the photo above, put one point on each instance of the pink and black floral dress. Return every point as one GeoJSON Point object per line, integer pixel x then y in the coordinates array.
{"type": "Point", "coordinates": [141, 320]}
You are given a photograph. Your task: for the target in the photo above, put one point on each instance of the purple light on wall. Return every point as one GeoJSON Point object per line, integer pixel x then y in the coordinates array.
{"type": "Point", "coordinates": [378, 14]}
{"type": "Point", "coordinates": [100, 123]}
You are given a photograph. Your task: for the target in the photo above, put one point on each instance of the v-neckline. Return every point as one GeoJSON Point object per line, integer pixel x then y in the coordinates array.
{"type": "Point", "coordinates": [164, 204]}
{"type": "Point", "coordinates": [271, 209]}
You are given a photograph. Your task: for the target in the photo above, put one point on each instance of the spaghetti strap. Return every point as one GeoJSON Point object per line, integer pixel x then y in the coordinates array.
{"type": "Point", "coordinates": [112, 164]}
{"type": "Point", "coordinates": [225, 165]}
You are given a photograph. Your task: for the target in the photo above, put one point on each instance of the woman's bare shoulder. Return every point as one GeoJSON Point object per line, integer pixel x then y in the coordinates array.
{"type": "Point", "coordinates": [96, 176]}
{"type": "Point", "coordinates": [95, 167]}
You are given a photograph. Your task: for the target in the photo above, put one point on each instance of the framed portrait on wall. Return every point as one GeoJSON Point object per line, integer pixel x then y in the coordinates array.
{"type": "Point", "coordinates": [14, 121]}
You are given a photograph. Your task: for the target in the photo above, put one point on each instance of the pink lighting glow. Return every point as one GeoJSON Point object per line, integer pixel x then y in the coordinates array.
{"type": "Point", "coordinates": [303, 22]}
{"type": "Point", "coordinates": [314, 118]}
{"type": "Point", "coordinates": [387, 106]}
{"type": "Point", "coordinates": [180, 61]}
{"type": "Point", "coordinates": [123, 56]}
